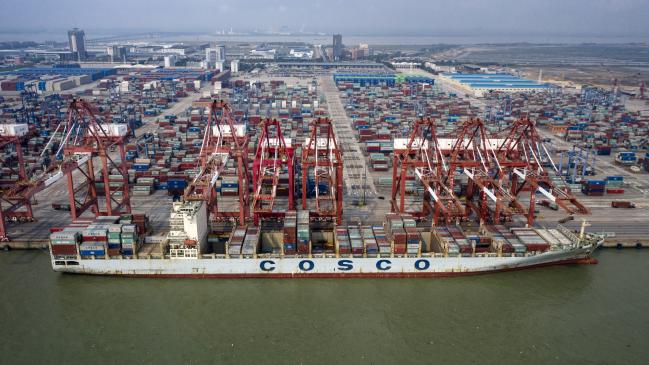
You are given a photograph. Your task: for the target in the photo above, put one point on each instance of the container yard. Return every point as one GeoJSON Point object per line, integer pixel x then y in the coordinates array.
{"type": "Point", "coordinates": [344, 165]}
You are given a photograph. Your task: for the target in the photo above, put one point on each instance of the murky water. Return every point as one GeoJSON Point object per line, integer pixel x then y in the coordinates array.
{"type": "Point", "coordinates": [574, 314]}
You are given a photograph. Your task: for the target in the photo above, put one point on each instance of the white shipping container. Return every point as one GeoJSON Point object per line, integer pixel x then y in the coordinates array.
{"type": "Point", "coordinates": [112, 129]}
{"type": "Point", "coordinates": [239, 128]}
{"type": "Point", "coordinates": [13, 130]}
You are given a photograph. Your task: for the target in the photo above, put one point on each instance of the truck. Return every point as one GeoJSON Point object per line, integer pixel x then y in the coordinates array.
{"type": "Point", "coordinates": [622, 204]}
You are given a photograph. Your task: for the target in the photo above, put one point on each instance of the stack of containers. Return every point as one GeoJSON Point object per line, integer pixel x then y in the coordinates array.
{"type": "Point", "coordinates": [480, 244]}
{"type": "Point", "coordinates": [114, 239]}
{"type": "Point", "coordinates": [379, 162]}
{"type": "Point", "coordinates": [614, 185]}
{"type": "Point", "coordinates": [290, 233]}
{"type": "Point", "coordinates": [645, 162]}
{"type": "Point", "coordinates": [382, 240]}
{"type": "Point", "coordinates": [236, 241]}
{"type": "Point", "coordinates": [371, 248]}
{"type": "Point", "coordinates": [626, 158]}
{"type": "Point", "coordinates": [355, 241]}
{"type": "Point", "coordinates": [394, 228]}
{"type": "Point", "coordinates": [250, 242]}
{"type": "Point", "coordinates": [342, 239]}
{"type": "Point", "coordinates": [129, 239]}
{"type": "Point", "coordinates": [531, 239]}
{"type": "Point", "coordinates": [303, 232]}
{"type": "Point", "coordinates": [465, 247]}
{"type": "Point", "coordinates": [444, 241]}
{"type": "Point", "coordinates": [230, 186]}
{"type": "Point", "coordinates": [593, 187]}
{"type": "Point", "coordinates": [413, 240]}
{"type": "Point", "coordinates": [94, 239]}
{"type": "Point", "coordinates": [64, 243]}
{"type": "Point", "coordinates": [498, 241]}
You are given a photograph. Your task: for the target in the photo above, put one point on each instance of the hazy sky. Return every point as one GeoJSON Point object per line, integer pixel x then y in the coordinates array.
{"type": "Point", "coordinates": [548, 17]}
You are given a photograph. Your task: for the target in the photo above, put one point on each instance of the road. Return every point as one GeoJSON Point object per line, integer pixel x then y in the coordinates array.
{"type": "Point", "coordinates": [355, 171]}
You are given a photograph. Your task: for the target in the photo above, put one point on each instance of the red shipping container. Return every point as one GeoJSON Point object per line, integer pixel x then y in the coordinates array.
{"type": "Point", "coordinates": [614, 191]}
{"type": "Point", "coordinates": [64, 250]}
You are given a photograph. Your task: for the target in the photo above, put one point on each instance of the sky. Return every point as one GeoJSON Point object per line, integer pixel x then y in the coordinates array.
{"type": "Point", "coordinates": [367, 17]}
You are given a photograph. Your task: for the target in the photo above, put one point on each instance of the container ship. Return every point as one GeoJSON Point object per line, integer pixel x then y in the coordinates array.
{"type": "Point", "coordinates": [398, 248]}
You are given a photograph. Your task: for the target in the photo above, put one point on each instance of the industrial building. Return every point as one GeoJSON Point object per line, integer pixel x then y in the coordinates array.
{"type": "Point", "coordinates": [332, 65]}
{"type": "Point", "coordinates": [479, 84]}
{"type": "Point", "coordinates": [366, 79]}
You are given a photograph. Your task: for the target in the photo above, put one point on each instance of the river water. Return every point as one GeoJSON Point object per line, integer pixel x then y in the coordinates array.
{"type": "Point", "coordinates": [591, 314]}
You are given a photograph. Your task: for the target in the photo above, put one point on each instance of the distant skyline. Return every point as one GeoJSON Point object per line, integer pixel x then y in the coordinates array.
{"type": "Point", "coordinates": [560, 18]}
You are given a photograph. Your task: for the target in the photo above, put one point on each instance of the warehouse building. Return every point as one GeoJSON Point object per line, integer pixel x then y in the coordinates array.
{"type": "Point", "coordinates": [479, 84]}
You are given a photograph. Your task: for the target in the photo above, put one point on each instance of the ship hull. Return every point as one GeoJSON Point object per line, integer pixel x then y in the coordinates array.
{"type": "Point", "coordinates": [319, 267]}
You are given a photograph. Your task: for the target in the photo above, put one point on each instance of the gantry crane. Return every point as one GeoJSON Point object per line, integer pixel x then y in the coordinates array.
{"type": "Point", "coordinates": [274, 155]}
{"type": "Point", "coordinates": [522, 155]}
{"type": "Point", "coordinates": [223, 141]}
{"type": "Point", "coordinates": [14, 194]}
{"type": "Point", "coordinates": [473, 153]}
{"type": "Point", "coordinates": [83, 140]}
{"type": "Point", "coordinates": [420, 158]}
{"type": "Point", "coordinates": [322, 162]}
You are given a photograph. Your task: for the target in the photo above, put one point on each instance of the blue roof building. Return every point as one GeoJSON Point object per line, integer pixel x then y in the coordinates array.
{"type": "Point", "coordinates": [478, 84]}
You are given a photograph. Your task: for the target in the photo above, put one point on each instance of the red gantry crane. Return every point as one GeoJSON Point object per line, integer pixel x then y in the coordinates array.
{"type": "Point", "coordinates": [85, 139]}
{"type": "Point", "coordinates": [223, 140]}
{"type": "Point", "coordinates": [420, 158]}
{"type": "Point", "coordinates": [81, 139]}
{"type": "Point", "coordinates": [322, 165]}
{"type": "Point", "coordinates": [274, 155]}
{"type": "Point", "coordinates": [522, 155]}
{"type": "Point", "coordinates": [16, 195]}
{"type": "Point", "coordinates": [473, 153]}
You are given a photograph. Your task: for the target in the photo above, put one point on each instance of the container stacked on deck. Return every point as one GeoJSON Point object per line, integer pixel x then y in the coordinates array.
{"type": "Point", "coordinates": [480, 244]}
{"type": "Point", "coordinates": [593, 187]}
{"type": "Point", "coordinates": [511, 240]}
{"type": "Point", "coordinates": [355, 241]}
{"type": "Point", "coordinates": [236, 241]}
{"type": "Point", "coordinates": [443, 242]}
{"type": "Point", "coordinates": [614, 185]}
{"type": "Point", "coordinates": [94, 240]}
{"type": "Point", "coordinates": [114, 239]}
{"type": "Point", "coordinates": [342, 239]}
{"type": "Point", "coordinates": [369, 241]}
{"type": "Point", "coordinates": [460, 239]}
{"type": "Point", "coordinates": [251, 242]}
{"type": "Point", "coordinates": [129, 238]}
{"type": "Point", "coordinates": [290, 233]}
{"type": "Point", "coordinates": [303, 232]}
{"type": "Point", "coordinates": [413, 237]}
{"type": "Point", "coordinates": [395, 230]}
{"type": "Point", "coordinates": [498, 240]}
{"type": "Point", "coordinates": [65, 243]}
{"type": "Point", "coordinates": [382, 240]}
{"type": "Point", "coordinates": [531, 239]}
